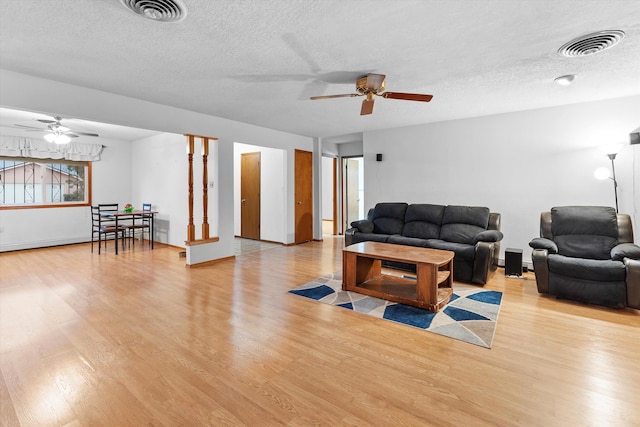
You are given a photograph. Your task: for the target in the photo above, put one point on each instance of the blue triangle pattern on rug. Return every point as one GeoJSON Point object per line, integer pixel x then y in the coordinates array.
{"type": "Point", "coordinates": [470, 316]}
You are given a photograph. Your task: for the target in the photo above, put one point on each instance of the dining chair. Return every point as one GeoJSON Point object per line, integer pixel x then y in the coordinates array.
{"type": "Point", "coordinates": [143, 226]}
{"type": "Point", "coordinates": [103, 227]}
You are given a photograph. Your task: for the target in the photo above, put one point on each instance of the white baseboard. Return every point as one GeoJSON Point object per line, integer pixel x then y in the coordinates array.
{"type": "Point", "coordinates": [42, 243]}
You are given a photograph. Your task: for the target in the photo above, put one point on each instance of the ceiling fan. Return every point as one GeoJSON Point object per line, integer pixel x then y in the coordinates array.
{"type": "Point", "coordinates": [373, 84]}
{"type": "Point", "coordinates": [56, 132]}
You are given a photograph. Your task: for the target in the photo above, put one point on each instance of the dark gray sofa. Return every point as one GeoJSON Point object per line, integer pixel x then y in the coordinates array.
{"type": "Point", "coordinates": [586, 254]}
{"type": "Point", "coordinates": [472, 232]}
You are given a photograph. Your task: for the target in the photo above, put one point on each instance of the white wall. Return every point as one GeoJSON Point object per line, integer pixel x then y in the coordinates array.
{"type": "Point", "coordinates": [159, 177]}
{"type": "Point", "coordinates": [518, 164]}
{"type": "Point", "coordinates": [29, 93]}
{"type": "Point", "coordinates": [273, 176]}
{"type": "Point", "coordinates": [327, 188]}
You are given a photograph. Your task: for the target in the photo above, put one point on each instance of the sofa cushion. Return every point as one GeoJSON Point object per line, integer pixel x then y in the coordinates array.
{"type": "Point", "coordinates": [585, 231]}
{"type": "Point", "coordinates": [596, 270]}
{"type": "Point", "coordinates": [463, 251]}
{"type": "Point", "coordinates": [461, 224]}
{"type": "Point", "coordinates": [388, 218]}
{"type": "Point", "coordinates": [423, 221]}
{"type": "Point", "coordinates": [408, 241]}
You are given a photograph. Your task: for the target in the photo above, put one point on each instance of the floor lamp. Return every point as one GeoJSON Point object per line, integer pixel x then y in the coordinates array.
{"type": "Point", "coordinates": [603, 173]}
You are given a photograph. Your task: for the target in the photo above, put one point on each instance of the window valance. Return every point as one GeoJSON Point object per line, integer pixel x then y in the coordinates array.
{"type": "Point", "coordinates": [17, 146]}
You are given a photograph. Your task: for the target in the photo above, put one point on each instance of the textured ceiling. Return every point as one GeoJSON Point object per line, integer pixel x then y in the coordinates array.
{"type": "Point", "coordinates": [258, 61]}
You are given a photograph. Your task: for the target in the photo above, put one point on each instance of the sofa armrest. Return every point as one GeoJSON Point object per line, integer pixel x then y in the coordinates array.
{"type": "Point", "coordinates": [539, 257]}
{"type": "Point", "coordinates": [488, 236]}
{"type": "Point", "coordinates": [544, 244]}
{"type": "Point", "coordinates": [483, 262]}
{"type": "Point", "coordinates": [363, 225]}
{"type": "Point", "coordinates": [348, 236]}
{"type": "Point", "coordinates": [625, 250]}
{"type": "Point", "coordinates": [633, 282]}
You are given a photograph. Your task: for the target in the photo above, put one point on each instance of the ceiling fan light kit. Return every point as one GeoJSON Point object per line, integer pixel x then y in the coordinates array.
{"type": "Point", "coordinates": [56, 133]}
{"type": "Point", "coordinates": [58, 138]}
{"type": "Point", "coordinates": [373, 85]}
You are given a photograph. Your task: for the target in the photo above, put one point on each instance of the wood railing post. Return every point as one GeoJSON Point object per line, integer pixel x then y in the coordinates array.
{"type": "Point", "coordinates": [191, 228]}
{"type": "Point", "coordinates": [205, 194]}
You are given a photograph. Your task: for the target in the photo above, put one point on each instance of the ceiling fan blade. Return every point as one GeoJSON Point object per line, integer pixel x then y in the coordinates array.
{"type": "Point", "coordinates": [346, 95]}
{"type": "Point", "coordinates": [367, 107]}
{"type": "Point", "coordinates": [49, 122]}
{"type": "Point", "coordinates": [375, 81]}
{"type": "Point", "coordinates": [29, 127]}
{"type": "Point", "coordinates": [71, 135]}
{"type": "Point", "coordinates": [85, 133]}
{"type": "Point", "coordinates": [407, 96]}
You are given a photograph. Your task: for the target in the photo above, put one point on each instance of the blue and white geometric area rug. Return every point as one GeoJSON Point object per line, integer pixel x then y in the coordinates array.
{"type": "Point", "coordinates": [471, 315]}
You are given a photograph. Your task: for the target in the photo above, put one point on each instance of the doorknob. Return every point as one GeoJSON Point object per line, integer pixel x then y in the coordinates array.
{"type": "Point", "coordinates": [298, 202]}
{"type": "Point", "coordinates": [244, 200]}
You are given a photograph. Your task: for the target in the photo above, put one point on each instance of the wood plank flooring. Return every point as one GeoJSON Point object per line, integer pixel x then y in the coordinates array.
{"type": "Point", "coordinates": [138, 339]}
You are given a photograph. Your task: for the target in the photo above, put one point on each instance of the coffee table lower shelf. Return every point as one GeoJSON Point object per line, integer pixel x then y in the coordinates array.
{"type": "Point", "coordinates": [402, 290]}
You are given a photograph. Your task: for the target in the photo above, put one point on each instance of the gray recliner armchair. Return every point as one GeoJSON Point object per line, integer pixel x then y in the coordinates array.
{"type": "Point", "coordinates": [586, 254]}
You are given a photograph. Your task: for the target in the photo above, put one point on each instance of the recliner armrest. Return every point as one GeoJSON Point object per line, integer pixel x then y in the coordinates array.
{"type": "Point", "coordinates": [543, 243]}
{"type": "Point", "coordinates": [539, 257]}
{"type": "Point", "coordinates": [625, 250]}
{"type": "Point", "coordinates": [633, 282]}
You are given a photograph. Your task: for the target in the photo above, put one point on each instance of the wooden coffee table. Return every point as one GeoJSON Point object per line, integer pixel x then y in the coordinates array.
{"type": "Point", "coordinates": [361, 272]}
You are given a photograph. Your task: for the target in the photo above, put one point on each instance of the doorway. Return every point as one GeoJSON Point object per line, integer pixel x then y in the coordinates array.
{"type": "Point", "coordinates": [250, 196]}
{"type": "Point", "coordinates": [353, 190]}
{"type": "Point", "coordinates": [329, 196]}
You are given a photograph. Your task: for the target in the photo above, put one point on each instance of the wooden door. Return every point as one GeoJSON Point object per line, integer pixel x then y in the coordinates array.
{"type": "Point", "coordinates": [303, 196]}
{"type": "Point", "coordinates": [250, 196]}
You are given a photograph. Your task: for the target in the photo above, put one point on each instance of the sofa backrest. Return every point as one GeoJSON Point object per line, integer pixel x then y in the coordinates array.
{"type": "Point", "coordinates": [584, 231]}
{"type": "Point", "coordinates": [388, 218]}
{"type": "Point", "coordinates": [460, 224]}
{"type": "Point", "coordinates": [423, 221]}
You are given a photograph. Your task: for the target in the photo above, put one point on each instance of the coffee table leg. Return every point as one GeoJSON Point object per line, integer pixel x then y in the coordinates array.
{"type": "Point", "coordinates": [427, 284]}
{"type": "Point", "coordinates": [358, 269]}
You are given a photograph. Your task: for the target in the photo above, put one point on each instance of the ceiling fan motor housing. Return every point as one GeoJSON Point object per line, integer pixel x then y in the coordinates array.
{"type": "Point", "coordinates": [361, 86]}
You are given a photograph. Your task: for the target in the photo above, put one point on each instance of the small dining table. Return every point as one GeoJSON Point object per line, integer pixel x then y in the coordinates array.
{"type": "Point", "coordinates": [132, 216]}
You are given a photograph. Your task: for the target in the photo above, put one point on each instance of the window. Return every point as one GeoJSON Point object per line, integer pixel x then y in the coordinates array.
{"type": "Point", "coordinates": [26, 182]}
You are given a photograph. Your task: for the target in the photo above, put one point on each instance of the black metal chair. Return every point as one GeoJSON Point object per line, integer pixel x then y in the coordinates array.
{"type": "Point", "coordinates": [102, 226]}
{"type": "Point", "coordinates": [143, 226]}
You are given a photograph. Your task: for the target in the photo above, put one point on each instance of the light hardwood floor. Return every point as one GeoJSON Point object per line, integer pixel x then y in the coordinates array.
{"type": "Point", "coordinates": [139, 339]}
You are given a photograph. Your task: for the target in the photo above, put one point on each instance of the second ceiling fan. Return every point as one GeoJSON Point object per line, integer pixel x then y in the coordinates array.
{"type": "Point", "coordinates": [373, 85]}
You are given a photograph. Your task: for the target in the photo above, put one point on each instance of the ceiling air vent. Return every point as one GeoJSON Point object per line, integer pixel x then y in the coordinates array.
{"type": "Point", "coordinates": [157, 10]}
{"type": "Point", "coordinates": [591, 43]}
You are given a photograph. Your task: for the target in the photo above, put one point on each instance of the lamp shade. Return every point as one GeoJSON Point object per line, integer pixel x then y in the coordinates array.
{"type": "Point", "coordinates": [601, 173]}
